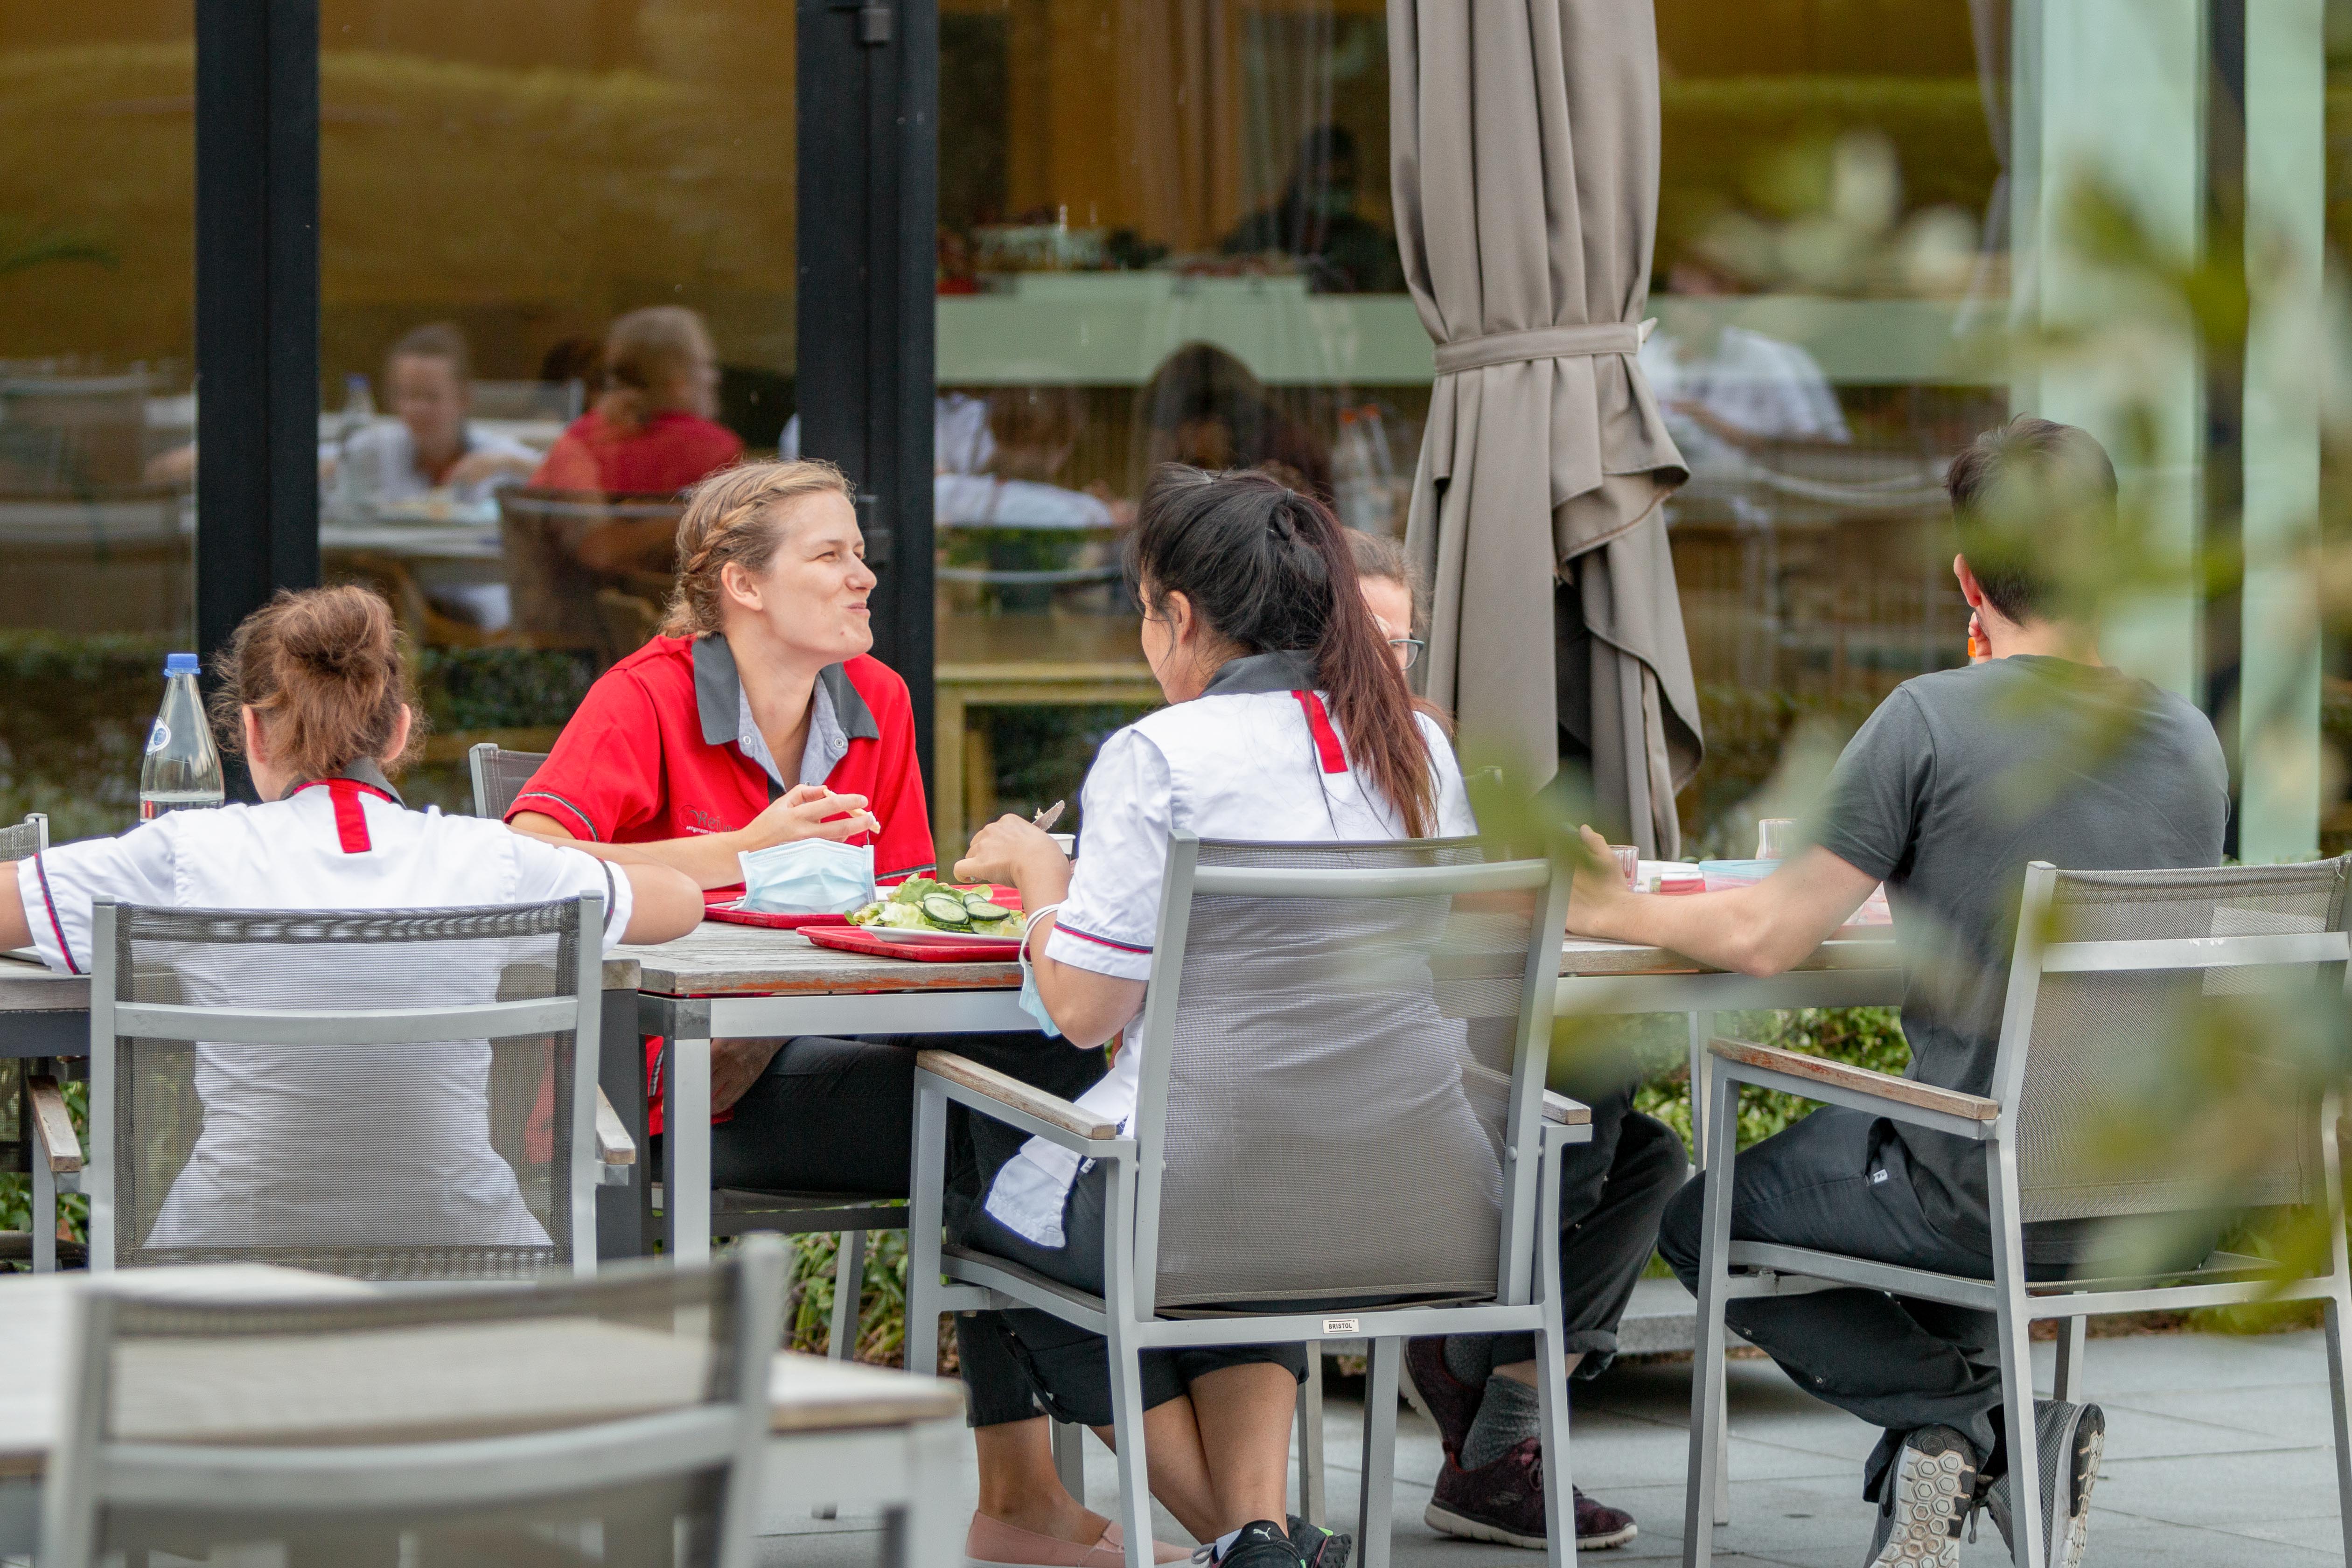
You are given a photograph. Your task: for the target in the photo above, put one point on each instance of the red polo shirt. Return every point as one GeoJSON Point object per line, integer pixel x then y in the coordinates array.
{"type": "Point", "coordinates": [654, 752]}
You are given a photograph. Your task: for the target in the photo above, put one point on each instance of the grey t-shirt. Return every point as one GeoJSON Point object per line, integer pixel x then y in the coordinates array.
{"type": "Point", "coordinates": [1946, 793]}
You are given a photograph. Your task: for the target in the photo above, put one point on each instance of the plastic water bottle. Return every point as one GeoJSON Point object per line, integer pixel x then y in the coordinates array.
{"type": "Point", "coordinates": [181, 768]}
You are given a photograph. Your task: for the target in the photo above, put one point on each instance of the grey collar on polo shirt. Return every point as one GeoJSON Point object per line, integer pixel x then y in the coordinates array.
{"type": "Point", "coordinates": [837, 716]}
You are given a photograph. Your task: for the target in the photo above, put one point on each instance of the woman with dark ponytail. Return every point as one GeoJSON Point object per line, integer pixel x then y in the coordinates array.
{"type": "Point", "coordinates": [1288, 721]}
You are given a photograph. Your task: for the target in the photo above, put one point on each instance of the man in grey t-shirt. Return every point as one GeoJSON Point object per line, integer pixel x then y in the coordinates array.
{"type": "Point", "coordinates": [2034, 752]}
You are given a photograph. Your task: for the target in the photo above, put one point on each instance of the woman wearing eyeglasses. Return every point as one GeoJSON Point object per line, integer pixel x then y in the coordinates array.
{"type": "Point", "coordinates": [1397, 595]}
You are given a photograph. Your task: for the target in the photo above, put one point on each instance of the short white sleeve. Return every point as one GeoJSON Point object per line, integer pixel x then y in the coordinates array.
{"type": "Point", "coordinates": [1106, 923]}
{"type": "Point", "coordinates": [60, 885]}
{"type": "Point", "coordinates": [545, 871]}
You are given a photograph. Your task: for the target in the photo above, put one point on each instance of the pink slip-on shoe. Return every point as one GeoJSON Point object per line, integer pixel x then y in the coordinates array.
{"type": "Point", "coordinates": [993, 1543]}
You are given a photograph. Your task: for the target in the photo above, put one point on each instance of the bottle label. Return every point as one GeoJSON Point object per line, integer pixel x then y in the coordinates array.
{"type": "Point", "coordinates": [158, 738]}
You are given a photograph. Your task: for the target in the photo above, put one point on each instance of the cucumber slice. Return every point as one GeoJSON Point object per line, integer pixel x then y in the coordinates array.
{"type": "Point", "coordinates": [942, 910]}
{"type": "Point", "coordinates": [981, 909]}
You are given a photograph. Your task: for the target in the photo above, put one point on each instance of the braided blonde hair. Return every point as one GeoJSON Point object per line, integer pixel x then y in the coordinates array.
{"type": "Point", "coordinates": [736, 515]}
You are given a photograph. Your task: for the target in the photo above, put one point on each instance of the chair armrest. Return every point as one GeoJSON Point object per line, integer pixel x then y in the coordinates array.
{"type": "Point", "coordinates": [614, 1144]}
{"type": "Point", "coordinates": [1570, 1113]}
{"type": "Point", "coordinates": [53, 1126]}
{"type": "Point", "coordinates": [1050, 1109]}
{"type": "Point", "coordinates": [1857, 1079]}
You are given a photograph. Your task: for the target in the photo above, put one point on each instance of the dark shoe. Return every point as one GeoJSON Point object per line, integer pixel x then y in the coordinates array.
{"type": "Point", "coordinates": [1261, 1544]}
{"type": "Point", "coordinates": [1504, 1503]}
{"type": "Point", "coordinates": [2068, 1440]}
{"type": "Point", "coordinates": [1450, 1404]}
{"type": "Point", "coordinates": [1924, 1501]}
{"type": "Point", "coordinates": [1318, 1547]}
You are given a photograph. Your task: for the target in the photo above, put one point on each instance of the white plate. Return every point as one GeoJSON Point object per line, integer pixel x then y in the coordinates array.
{"type": "Point", "coordinates": [901, 933]}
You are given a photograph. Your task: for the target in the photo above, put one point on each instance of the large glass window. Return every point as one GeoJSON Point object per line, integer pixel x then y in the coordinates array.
{"type": "Point", "coordinates": [1832, 226]}
{"type": "Point", "coordinates": [1165, 235]}
{"type": "Point", "coordinates": [97, 326]}
{"type": "Point", "coordinates": [500, 186]}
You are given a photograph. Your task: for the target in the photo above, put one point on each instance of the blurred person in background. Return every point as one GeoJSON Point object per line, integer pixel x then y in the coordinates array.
{"type": "Point", "coordinates": [1032, 432]}
{"type": "Point", "coordinates": [1395, 590]}
{"type": "Point", "coordinates": [2037, 752]}
{"type": "Point", "coordinates": [428, 381]}
{"type": "Point", "coordinates": [1315, 219]}
{"type": "Point", "coordinates": [651, 431]}
{"type": "Point", "coordinates": [1204, 409]}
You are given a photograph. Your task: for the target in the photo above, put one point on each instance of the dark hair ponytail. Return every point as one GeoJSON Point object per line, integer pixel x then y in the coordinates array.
{"type": "Point", "coordinates": [1269, 570]}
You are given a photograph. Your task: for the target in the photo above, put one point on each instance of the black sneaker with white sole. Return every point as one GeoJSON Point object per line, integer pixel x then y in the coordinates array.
{"type": "Point", "coordinates": [2068, 1440]}
{"type": "Point", "coordinates": [1924, 1501]}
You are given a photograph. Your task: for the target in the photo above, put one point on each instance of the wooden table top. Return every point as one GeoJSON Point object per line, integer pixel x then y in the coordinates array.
{"type": "Point", "coordinates": [805, 1393]}
{"type": "Point", "coordinates": [718, 959]}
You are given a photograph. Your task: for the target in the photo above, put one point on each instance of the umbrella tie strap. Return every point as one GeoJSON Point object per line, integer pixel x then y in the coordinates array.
{"type": "Point", "coordinates": [1541, 343]}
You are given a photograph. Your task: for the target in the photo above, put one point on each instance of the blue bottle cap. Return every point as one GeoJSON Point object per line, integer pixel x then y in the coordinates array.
{"type": "Point", "coordinates": [182, 664]}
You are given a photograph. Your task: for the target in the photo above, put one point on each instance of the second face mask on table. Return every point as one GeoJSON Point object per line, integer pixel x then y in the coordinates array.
{"type": "Point", "coordinates": [808, 876]}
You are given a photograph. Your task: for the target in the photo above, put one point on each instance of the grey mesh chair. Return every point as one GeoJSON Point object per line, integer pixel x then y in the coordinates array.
{"type": "Point", "coordinates": [2110, 969]}
{"type": "Point", "coordinates": [499, 777]}
{"type": "Point", "coordinates": [619, 1419]}
{"type": "Point", "coordinates": [1342, 1130]}
{"type": "Point", "coordinates": [24, 839]}
{"type": "Point", "coordinates": [441, 1121]}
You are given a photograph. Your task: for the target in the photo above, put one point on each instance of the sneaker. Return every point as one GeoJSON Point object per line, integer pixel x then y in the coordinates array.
{"type": "Point", "coordinates": [1504, 1503]}
{"type": "Point", "coordinates": [2068, 1440]}
{"type": "Point", "coordinates": [1450, 1404]}
{"type": "Point", "coordinates": [1262, 1543]}
{"type": "Point", "coordinates": [1925, 1501]}
{"type": "Point", "coordinates": [1318, 1547]}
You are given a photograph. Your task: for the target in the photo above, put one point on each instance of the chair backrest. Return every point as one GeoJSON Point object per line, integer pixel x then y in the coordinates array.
{"type": "Point", "coordinates": [499, 776]}
{"type": "Point", "coordinates": [2143, 1031]}
{"type": "Point", "coordinates": [443, 1425]}
{"type": "Point", "coordinates": [23, 840]}
{"type": "Point", "coordinates": [1341, 1041]}
{"type": "Point", "coordinates": [387, 1094]}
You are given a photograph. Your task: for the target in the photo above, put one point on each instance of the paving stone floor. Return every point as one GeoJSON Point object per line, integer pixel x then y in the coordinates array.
{"type": "Point", "coordinates": [2218, 1454]}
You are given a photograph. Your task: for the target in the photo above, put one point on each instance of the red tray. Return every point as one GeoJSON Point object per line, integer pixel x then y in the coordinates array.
{"type": "Point", "coordinates": [851, 939]}
{"type": "Point", "coordinates": [733, 913]}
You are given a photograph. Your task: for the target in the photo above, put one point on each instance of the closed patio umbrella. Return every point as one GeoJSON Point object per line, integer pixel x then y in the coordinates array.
{"type": "Point", "coordinates": [1525, 145]}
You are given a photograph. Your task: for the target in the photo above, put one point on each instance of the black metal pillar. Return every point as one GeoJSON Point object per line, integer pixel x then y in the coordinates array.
{"type": "Point", "coordinates": [257, 307]}
{"type": "Point", "coordinates": [868, 86]}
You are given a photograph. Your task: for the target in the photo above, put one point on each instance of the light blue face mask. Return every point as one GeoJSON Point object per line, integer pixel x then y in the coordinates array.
{"type": "Point", "coordinates": [808, 876]}
{"type": "Point", "coordinates": [1029, 1001]}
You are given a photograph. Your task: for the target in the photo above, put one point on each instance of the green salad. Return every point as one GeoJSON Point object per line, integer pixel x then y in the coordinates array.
{"type": "Point", "coordinates": [919, 904]}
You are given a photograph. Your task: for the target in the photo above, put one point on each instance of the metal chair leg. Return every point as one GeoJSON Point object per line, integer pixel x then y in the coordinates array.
{"type": "Point", "coordinates": [1552, 1389]}
{"type": "Point", "coordinates": [2028, 1538]}
{"type": "Point", "coordinates": [2335, 1308]}
{"type": "Point", "coordinates": [1707, 1443]}
{"type": "Point", "coordinates": [1376, 1507]}
{"type": "Point", "coordinates": [2074, 1337]}
{"type": "Point", "coordinates": [849, 1285]}
{"type": "Point", "coordinates": [926, 1192]}
{"type": "Point", "coordinates": [1310, 1438]}
{"type": "Point", "coordinates": [1070, 1458]}
{"type": "Point", "coordinates": [45, 1211]}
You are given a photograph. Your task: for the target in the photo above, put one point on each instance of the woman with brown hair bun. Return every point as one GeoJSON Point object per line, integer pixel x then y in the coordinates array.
{"type": "Point", "coordinates": [652, 431]}
{"type": "Point", "coordinates": [315, 693]}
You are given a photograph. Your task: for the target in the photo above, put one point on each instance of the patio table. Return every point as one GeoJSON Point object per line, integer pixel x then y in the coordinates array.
{"type": "Point", "coordinates": [861, 1436]}
{"type": "Point", "coordinates": [726, 981]}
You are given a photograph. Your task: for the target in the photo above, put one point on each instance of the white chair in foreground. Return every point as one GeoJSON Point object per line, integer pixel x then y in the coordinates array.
{"type": "Point", "coordinates": [398, 1094]}
{"type": "Point", "coordinates": [1342, 1130]}
{"type": "Point", "coordinates": [619, 1419]}
{"type": "Point", "coordinates": [2110, 967]}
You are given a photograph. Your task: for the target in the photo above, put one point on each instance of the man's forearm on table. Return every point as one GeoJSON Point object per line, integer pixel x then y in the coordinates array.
{"type": "Point", "coordinates": [1729, 930]}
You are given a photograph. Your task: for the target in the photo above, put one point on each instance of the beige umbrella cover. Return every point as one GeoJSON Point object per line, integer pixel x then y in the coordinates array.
{"type": "Point", "coordinates": [1525, 146]}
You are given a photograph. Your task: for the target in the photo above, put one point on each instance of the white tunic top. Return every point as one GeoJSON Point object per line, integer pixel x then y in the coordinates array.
{"type": "Point", "coordinates": [1222, 767]}
{"type": "Point", "coordinates": [295, 1141]}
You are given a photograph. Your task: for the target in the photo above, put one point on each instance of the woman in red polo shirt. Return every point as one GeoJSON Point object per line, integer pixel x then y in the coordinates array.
{"type": "Point", "coordinates": [651, 431]}
{"type": "Point", "coordinates": [755, 718]}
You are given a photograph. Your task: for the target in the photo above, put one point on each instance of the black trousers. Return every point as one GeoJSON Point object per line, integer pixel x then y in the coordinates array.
{"type": "Point", "coordinates": [1069, 1367]}
{"type": "Point", "coordinates": [1613, 1192]}
{"type": "Point", "coordinates": [1840, 1180]}
{"type": "Point", "coordinates": [838, 1116]}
